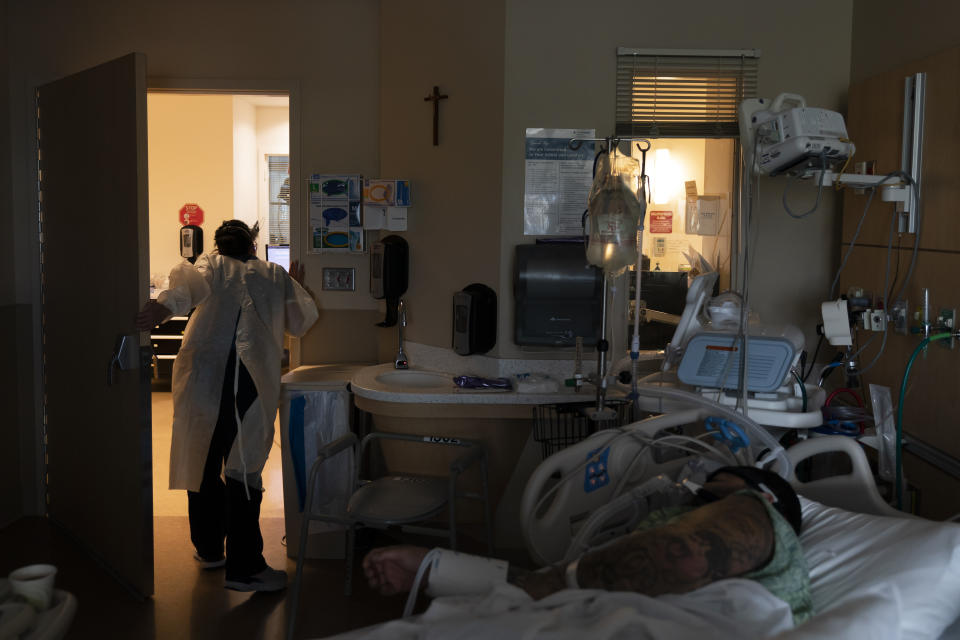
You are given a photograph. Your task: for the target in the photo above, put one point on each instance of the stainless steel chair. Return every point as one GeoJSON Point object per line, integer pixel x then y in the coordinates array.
{"type": "Point", "coordinates": [394, 500]}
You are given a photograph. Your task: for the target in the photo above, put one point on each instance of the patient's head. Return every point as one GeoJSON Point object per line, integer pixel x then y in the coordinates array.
{"type": "Point", "coordinates": [235, 239]}
{"type": "Point", "coordinates": [727, 480]}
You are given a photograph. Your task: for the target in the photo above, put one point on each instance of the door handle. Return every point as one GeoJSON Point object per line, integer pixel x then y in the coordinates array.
{"type": "Point", "coordinates": [126, 356]}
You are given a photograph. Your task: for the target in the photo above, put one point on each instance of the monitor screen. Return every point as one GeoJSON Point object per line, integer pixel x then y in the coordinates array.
{"type": "Point", "coordinates": [279, 254]}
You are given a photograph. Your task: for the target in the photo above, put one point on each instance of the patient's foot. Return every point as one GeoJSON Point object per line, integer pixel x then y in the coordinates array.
{"type": "Point", "coordinates": [391, 570]}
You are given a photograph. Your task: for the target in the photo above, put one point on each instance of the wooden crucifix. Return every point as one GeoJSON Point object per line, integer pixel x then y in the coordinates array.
{"type": "Point", "coordinates": [436, 97]}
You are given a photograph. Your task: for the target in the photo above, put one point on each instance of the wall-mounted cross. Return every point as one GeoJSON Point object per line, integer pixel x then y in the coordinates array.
{"type": "Point", "coordinates": [436, 97]}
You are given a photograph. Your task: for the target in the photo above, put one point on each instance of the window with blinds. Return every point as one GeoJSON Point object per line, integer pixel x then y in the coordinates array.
{"type": "Point", "coordinates": [683, 94]}
{"type": "Point", "coordinates": [278, 178]}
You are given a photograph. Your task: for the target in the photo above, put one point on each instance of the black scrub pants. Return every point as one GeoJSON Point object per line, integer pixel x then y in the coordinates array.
{"type": "Point", "coordinates": [221, 509]}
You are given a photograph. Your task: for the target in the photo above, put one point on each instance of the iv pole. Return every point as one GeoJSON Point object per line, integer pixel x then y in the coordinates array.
{"type": "Point", "coordinates": [602, 412]}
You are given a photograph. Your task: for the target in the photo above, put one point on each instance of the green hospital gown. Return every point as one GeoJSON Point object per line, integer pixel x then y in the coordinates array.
{"type": "Point", "coordinates": [785, 575]}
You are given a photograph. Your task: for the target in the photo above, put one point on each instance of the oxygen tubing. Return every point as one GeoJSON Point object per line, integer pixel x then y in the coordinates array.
{"type": "Point", "coordinates": [776, 451]}
{"type": "Point", "coordinates": [903, 392]}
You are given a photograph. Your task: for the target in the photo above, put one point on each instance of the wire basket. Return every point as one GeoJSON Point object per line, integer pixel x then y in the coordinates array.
{"type": "Point", "coordinates": [556, 426]}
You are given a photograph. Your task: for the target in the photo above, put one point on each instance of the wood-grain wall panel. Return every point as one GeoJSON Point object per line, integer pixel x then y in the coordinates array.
{"type": "Point", "coordinates": [875, 123]}
{"type": "Point", "coordinates": [932, 401]}
{"type": "Point", "coordinates": [938, 494]}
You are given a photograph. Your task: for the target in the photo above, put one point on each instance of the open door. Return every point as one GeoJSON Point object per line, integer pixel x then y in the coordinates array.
{"type": "Point", "coordinates": [92, 130]}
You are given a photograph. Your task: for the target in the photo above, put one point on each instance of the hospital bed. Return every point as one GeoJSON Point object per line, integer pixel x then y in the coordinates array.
{"type": "Point", "coordinates": [875, 572]}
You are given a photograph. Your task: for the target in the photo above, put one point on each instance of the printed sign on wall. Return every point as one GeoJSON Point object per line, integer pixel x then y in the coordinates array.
{"type": "Point", "coordinates": [191, 213]}
{"type": "Point", "coordinates": [661, 222]}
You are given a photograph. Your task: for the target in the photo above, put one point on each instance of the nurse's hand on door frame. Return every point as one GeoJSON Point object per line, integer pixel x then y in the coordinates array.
{"type": "Point", "coordinates": [152, 314]}
{"type": "Point", "coordinates": [298, 272]}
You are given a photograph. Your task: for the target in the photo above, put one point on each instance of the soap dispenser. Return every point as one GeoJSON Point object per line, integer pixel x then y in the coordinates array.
{"type": "Point", "coordinates": [389, 269]}
{"type": "Point", "coordinates": [474, 319]}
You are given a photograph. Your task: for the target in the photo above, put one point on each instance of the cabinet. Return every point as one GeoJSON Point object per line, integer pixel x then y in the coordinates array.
{"type": "Point", "coordinates": [166, 339]}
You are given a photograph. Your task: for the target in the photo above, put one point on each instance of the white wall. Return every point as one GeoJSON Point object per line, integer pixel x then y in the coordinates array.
{"type": "Point", "coordinates": [455, 218]}
{"type": "Point", "coordinates": [687, 157]}
{"type": "Point", "coordinates": [245, 165]}
{"type": "Point", "coordinates": [273, 128]}
{"type": "Point", "coordinates": [560, 72]}
{"type": "Point", "coordinates": [190, 160]}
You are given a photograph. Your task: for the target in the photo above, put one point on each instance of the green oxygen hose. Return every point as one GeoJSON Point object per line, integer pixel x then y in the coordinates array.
{"type": "Point", "coordinates": [903, 392]}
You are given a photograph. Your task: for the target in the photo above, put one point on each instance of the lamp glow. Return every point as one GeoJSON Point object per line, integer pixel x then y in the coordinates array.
{"type": "Point", "coordinates": [664, 177]}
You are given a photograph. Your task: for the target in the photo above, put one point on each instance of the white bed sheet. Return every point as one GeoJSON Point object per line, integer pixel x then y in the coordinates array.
{"type": "Point", "coordinates": [725, 610]}
{"type": "Point", "coordinates": [871, 577]}
{"type": "Point", "coordinates": [851, 554]}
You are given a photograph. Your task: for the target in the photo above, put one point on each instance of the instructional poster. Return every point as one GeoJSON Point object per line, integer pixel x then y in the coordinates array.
{"type": "Point", "coordinates": [336, 223]}
{"type": "Point", "coordinates": [557, 181]}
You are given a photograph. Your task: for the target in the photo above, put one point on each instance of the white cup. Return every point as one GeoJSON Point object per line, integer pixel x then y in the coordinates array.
{"type": "Point", "coordinates": [34, 583]}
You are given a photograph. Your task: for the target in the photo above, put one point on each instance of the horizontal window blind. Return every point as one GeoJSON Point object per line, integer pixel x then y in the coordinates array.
{"type": "Point", "coordinates": [278, 168]}
{"type": "Point", "coordinates": [683, 94]}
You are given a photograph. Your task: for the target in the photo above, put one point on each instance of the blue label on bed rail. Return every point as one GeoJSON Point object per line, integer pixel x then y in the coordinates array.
{"type": "Point", "coordinates": [595, 474]}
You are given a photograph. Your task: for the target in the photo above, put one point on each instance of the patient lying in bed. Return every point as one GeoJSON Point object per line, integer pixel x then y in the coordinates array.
{"type": "Point", "coordinates": [744, 523]}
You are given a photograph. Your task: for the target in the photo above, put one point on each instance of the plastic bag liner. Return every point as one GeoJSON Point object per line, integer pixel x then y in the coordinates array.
{"type": "Point", "coordinates": [614, 211]}
{"type": "Point", "coordinates": [886, 432]}
{"type": "Point", "coordinates": [318, 418]}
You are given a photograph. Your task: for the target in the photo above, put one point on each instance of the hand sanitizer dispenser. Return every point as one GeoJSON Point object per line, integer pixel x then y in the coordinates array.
{"type": "Point", "coordinates": [474, 319]}
{"type": "Point", "coordinates": [191, 242]}
{"type": "Point", "coordinates": [389, 265]}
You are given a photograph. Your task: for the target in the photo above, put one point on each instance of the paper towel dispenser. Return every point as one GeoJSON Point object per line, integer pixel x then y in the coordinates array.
{"type": "Point", "coordinates": [558, 295]}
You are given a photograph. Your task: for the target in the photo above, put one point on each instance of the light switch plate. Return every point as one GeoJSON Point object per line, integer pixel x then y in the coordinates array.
{"type": "Point", "coordinates": [339, 279]}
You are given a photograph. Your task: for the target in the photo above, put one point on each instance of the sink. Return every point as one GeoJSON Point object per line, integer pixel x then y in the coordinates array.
{"type": "Point", "coordinates": [410, 379]}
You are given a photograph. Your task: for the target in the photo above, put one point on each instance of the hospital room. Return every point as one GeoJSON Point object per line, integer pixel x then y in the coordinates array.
{"type": "Point", "coordinates": [424, 319]}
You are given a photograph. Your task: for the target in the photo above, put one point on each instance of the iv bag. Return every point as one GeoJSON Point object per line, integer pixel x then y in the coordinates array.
{"type": "Point", "coordinates": [614, 212]}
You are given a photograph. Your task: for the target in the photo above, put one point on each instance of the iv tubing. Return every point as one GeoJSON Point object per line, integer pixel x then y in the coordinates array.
{"type": "Point", "coordinates": [415, 589]}
{"type": "Point", "coordinates": [743, 332]}
{"type": "Point", "coordinates": [635, 341]}
{"type": "Point", "coordinates": [601, 351]}
{"type": "Point", "coordinates": [776, 450]}
{"type": "Point", "coordinates": [903, 392]}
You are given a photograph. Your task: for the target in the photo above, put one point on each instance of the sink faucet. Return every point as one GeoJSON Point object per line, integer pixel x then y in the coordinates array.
{"type": "Point", "coordinates": [401, 360]}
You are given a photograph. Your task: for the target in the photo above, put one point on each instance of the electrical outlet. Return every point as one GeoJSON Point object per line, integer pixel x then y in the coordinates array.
{"type": "Point", "coordinates": [339, 279]}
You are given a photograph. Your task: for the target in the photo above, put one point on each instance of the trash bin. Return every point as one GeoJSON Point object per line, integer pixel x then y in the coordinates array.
{"type": "Point", "coordinates": [315, 408]}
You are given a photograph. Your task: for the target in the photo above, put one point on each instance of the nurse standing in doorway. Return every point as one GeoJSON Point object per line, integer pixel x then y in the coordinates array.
{"type": "Point", "coordinates": [226, 387]}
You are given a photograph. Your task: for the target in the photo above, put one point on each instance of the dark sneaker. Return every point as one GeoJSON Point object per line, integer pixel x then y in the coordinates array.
{"type": "Point", "coordinates": [209, 564]}
{"type": "Point", "coordinates": [267, 580]}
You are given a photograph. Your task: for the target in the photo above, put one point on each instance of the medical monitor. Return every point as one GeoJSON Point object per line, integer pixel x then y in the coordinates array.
{"type": "Point", "coordinates": [279, 254]}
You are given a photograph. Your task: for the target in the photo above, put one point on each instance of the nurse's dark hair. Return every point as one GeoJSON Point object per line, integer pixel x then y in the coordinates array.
{"type": "Point", "coordinates": [787, 503]}
{"type": "Point", "coordinates": [234, 238]}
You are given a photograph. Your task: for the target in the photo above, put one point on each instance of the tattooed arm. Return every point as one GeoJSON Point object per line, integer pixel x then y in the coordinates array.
{"type": "Point", "coordinates": [722, 539]}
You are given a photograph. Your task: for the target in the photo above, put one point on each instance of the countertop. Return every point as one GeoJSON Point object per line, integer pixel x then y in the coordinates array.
{"type": "Point", "coordinates": [321, 377]}
{"type": "Point", "coordinates": [365, 383]}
